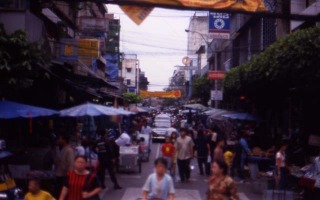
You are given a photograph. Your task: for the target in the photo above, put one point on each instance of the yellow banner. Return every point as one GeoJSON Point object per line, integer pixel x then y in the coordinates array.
{"type": "Point", "coordinates": [136, 13]}
{"type": "Point", "coordinates": [170, 94]}
{"type": "Point", "coordinates": [244, 5]}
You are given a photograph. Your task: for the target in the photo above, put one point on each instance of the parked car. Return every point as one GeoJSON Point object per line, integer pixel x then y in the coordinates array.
{"type": "Point", "coordinates": [162, 128]}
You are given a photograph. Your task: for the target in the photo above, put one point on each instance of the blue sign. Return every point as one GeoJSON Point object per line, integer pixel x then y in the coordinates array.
{"type": "Point", "coordinates": [219, 25]}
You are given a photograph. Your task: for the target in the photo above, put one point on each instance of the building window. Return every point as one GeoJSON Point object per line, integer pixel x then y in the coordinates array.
{"type": "Point", "coordinates": [129, 70]}
{"type": "Point", "coordinates": [128, 82]}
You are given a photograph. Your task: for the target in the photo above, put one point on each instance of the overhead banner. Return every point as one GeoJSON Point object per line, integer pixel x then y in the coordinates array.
{"type": "Point", "coordinates": [136, 13]}
{"type": "Point", "coordinates": [244, 5]}
{"type": "Point", "coordinates": [219, 25]}
{"type": "Point", "coordinates": [169, 94]}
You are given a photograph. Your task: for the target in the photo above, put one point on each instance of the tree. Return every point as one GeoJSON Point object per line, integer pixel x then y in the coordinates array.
{"type": "Point", "coordinates": [291, 62]}
{"type": "Point", "coordinates": [19, 62]}
{"type": "Point", "coordinates": [131, 98]}
{"type": "Point", "coordinates": [201, 87]}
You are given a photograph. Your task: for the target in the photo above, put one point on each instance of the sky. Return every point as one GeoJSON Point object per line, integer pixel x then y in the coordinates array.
{"type": "Point", "coordinates": [160, 42]}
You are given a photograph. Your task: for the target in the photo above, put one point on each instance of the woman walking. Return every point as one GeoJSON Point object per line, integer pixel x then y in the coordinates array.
{"type": "Point", "coordinates": [282, 170]}
{"type": "Point", "coordinates": [220, 185]}
{"type": "Point", "coordinates": [81, 184]}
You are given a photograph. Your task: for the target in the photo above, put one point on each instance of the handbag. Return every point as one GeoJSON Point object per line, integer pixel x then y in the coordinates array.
{"type": "Point", "coordinates": [86, 187]}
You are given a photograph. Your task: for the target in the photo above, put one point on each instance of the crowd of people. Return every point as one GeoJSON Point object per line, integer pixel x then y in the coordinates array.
{"type": "Point", "coordinates": [80, 169]}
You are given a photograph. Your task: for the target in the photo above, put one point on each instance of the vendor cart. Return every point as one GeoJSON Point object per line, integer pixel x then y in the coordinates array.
{"type": "Point", "coordinates": [129, 159]}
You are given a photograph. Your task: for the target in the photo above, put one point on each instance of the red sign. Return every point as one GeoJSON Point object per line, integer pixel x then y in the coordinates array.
{"type": "Point", "coordinates": [215, 75]}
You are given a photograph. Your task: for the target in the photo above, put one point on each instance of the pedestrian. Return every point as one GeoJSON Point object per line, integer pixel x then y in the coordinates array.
{"type": "Point", "coordinates": [159, 185]}
{"type": "Point", "coordinates": [35, 192]}
{"type": "Point", "coordinates": [211, 140]}
{"type": "Point", "coordinates": [228, 157]}
{"type": "Point", "coordinates": [145, 128]}
{"type": "Point", "coordinates": [168, 153]}
{"type": "Point", "coordinates": [245, 152]}
{"type": "Point", "coordinates": [236, 163]}
{"type": "Point", "coordinates": [174, 137]}
{"type": "Point", "coordinates": [282, 170]}
{"type": "Point", "coordinates": [81, 183]}
{"type": "Point", "coordinates": [63, 161]}
{"type": "Point", "coordinates": [107, 160]}
{"type": "Point", "coordinates": [123, 140]}
{"type": "Point", "coordinates": [184, 147]}
{"type": "Point", "coordinates": [218, 151]}
{"type": "Point", "coordinates": [220, 185]}
{"type": "Point", "coordinates": [202, 153]}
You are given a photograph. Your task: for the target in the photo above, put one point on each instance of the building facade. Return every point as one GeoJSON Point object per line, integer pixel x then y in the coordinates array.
{"type": "Point", "coordinates": [130, 72]}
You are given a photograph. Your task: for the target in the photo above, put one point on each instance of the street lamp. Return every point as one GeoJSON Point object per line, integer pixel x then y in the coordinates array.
{"type": "Point", "coordinates": [208, 63]}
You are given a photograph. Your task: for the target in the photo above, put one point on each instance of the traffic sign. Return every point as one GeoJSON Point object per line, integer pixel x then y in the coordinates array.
{"type": "Point", "coordinates": [216, 75]}
{"type": "Point", "coordinates": [186, 61]}
{"type": "Point", "coordinates": [186, 68]}
{"type": "Point", "coordinates": [216, 95]}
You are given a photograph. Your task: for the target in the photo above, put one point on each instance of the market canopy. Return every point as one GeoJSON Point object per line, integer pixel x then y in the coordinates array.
{"type": "Point", "coordinates": [137, 109]}
{"type": "Point", "coordinates": [196, 106]}
{"type": "Point", "coordinates": [11, 110]}
{"type": "Point", "coordinates": [241, 116]}
{"type": "Point", "coordinates": [90, 109]}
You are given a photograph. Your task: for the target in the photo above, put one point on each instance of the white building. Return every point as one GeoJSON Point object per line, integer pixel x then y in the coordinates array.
{"type": "Point", "coordinates": [197, 42]}
{"type": "Point", "coordinates": [130, 72]}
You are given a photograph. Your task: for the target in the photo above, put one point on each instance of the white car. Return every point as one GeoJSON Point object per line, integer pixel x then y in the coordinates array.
{"type": "Point", "coordinates": [162, 128]}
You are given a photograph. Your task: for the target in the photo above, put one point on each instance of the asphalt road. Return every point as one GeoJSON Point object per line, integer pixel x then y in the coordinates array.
{"type": "Point", "coordinates": [194, 190]}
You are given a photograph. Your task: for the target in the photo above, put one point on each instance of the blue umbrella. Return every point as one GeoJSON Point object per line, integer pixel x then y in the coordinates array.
{"type": "Point", "coordinates": [241, 116]}
{"type": "Point", "coordinates": [11, 110]}
{"type": "Point", "coordinates": [90, 109]}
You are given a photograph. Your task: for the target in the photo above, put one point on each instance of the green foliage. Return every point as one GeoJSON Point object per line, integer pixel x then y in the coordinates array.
{"type": "Point", "coordinates": [291, 62]}
{"type": "Point", "coordinates": [201, 88]}
{"type": "Point", "coordinates": [130, 97]}
{"type": "Point", "coordinates": [19, 60]}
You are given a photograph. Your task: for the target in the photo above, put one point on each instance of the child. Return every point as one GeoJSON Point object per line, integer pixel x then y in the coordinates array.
{"type": "Point", "coordinates": [228, 157]}
{"type": "Point", "coordinates": [35, 192]}
{"type": "Point", "coordinates": [159, 185]}
{"type": "Point", "coordinates": [168, 153]}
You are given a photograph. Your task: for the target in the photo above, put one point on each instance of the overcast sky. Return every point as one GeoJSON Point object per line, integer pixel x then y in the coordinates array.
{"type": "Point", "coordinates": [160, 42]}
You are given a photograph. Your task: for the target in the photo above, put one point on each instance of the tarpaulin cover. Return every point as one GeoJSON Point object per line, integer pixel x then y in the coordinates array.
{"type": "Point", "coordinates": [11, 110]}
{"type": "Point", "coordinates": [112, 65]}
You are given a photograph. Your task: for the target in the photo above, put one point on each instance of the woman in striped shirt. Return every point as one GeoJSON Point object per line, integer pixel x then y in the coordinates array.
{"type": "Point", "coordinates": [81, 184]}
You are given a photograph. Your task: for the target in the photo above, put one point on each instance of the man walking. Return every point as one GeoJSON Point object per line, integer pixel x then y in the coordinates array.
{"type": "Point", "coordinates": [184, 147]}
{"type": "Point", "coordinates": [107, 159]}
{"type": "Point", "coordinates": [63, 161]}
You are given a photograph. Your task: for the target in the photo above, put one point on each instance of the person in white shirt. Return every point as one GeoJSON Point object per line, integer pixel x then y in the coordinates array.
{"type": "Point", "coordinates": [123, 140]}
{"type": "Point", "coordinates": [145, 129]}
{"type": "Point", "coordinates": [282, 171]}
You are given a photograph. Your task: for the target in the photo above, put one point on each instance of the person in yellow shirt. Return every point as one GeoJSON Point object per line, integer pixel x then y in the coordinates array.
{"type": "Point", "coordinates": [35, 192]}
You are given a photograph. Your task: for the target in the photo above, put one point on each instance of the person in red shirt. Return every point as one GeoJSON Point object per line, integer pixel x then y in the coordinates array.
{"type": "Point", "coordinates": [168, 153]}
{"type": "Point", "coordinates": [81, 184]}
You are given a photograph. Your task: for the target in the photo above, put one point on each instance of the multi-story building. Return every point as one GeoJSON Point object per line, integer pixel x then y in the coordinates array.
{"type": "Point", "coordinates": [74, 34]}
{"type": "Point", "coordinates": [130, 72]}
{"type": "Point", "coordinates": [197, 42]}
{"type": "Point", "coordinates": [307, 7]}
